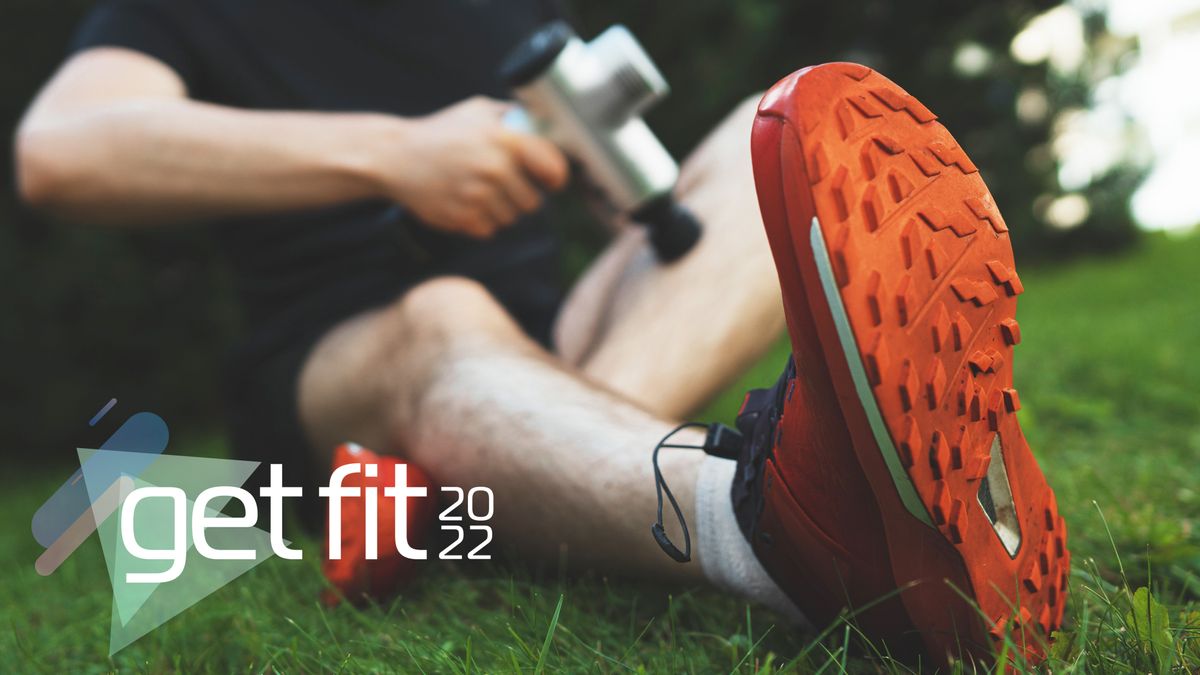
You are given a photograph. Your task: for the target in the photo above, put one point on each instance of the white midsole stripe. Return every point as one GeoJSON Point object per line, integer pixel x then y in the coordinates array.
{"type": "Point", "coordinates": [904, 486]}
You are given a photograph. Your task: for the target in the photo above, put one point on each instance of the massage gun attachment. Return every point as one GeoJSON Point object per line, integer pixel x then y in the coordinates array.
{"type": "Point", "coordinates": [587, 98]}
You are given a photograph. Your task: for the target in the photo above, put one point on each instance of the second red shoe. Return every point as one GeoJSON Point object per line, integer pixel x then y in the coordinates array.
{"type": "Point", "coordinates": [354, 577]}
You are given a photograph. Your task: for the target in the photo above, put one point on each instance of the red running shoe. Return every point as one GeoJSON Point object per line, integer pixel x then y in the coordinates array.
{"type": "Point", "coordinates": [890, 457]}
{"type": "Point", "coordinates": [355, 577]}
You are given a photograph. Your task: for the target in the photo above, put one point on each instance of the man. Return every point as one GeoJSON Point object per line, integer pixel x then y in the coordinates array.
{"type": "Point", "coordinates": [440, 337]}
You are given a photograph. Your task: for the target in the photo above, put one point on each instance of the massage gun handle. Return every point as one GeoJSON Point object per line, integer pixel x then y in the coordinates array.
{"type": "Point", "coordinates": [673, 228]}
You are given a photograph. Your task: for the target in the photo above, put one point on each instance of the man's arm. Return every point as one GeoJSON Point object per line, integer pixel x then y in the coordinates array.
{"type": "Point", "coordinates": [113, 139]}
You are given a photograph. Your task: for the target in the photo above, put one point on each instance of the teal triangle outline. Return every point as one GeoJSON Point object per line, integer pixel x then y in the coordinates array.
{"type": "Point", "coordinates": [138, 609]}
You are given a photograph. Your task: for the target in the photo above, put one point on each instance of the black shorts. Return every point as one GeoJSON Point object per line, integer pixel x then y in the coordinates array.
{"type": "Point", "coordinates": [521, 270]}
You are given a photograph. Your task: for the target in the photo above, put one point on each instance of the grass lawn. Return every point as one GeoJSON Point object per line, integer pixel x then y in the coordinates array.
{"type": "Point", "coordinates": [1110, 383]}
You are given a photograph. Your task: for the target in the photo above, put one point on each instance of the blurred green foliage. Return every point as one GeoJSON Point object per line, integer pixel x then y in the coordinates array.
{"type": "Point", "coordinates": [91, 314]}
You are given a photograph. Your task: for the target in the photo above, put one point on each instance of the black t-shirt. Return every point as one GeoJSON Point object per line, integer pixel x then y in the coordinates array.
{"type": "Point", "coordinates": [297, 273]}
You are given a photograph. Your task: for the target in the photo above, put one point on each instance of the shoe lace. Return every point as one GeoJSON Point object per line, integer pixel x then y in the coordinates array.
{"type": "Point", "coordinates": [721, 441]}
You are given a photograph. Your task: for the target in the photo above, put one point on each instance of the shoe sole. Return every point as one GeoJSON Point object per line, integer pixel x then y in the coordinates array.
{"type": "Point", "coordinates": [876, 214]}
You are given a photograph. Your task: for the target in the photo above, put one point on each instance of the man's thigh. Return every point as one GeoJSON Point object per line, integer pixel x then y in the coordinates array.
{"type": "Point", "coordinates": [671, 336]}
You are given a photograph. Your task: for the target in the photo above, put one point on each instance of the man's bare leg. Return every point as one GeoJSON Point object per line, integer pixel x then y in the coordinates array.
{"type": "Point", "coordinates": [445, 378]}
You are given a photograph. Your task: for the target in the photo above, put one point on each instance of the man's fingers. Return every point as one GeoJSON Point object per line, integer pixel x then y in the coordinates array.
{"type": "Point", "coordinates": [476, 223]}
{"type": "Point", "coordinates": [541, 159]}
{"type": "Point", "coordinates": [500, 210]}
{"type": "Point", "coordinates": [469, 219]}
{"type": "Point", "coordinates": [487, 198]}
{"type": "Point", "coordinates": [520, 191]}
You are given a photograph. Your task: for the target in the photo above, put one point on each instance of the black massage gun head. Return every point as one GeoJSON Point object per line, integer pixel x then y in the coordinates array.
{"type": "Point", "coordinates": [673, 228]}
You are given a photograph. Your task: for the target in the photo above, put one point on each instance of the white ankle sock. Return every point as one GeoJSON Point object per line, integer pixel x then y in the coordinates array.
{"type": "Point", "coordinates": [725, 555]}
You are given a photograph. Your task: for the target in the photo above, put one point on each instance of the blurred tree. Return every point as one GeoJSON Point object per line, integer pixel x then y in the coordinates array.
{"type": "Point", "coordinates": [1095, 148]}
{"type": "Point", "coordinates": [954, 56]}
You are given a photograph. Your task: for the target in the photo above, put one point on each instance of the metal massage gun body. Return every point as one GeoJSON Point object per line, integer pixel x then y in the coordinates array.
{"type": "Point", "coordinates": [587, 99]}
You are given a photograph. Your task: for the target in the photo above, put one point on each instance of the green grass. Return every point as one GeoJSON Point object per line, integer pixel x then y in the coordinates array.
{"type": "Point", "coordinates": [1110, 384]}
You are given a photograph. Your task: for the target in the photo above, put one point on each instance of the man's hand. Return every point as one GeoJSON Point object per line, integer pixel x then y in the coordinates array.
{"type": "Point", "coordinates": [461, 170]}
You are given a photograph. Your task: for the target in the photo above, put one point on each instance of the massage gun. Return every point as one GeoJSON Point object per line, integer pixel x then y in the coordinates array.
{"type": "Point", "coordinates": [587, 98]}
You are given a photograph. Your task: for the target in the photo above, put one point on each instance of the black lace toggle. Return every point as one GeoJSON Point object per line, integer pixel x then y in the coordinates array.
{"type": "Point", "coordinates": [723, 441]}
{"type": "Point", "coordinates": [719, 440]}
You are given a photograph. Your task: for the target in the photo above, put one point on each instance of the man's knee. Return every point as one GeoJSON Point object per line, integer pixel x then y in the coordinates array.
{"type": "Point", "coordinates": [364, 378]}
{"type": "Point", "coordinates": [431, 299]}
{"type": "Point", "coordinates": [447, 309]}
